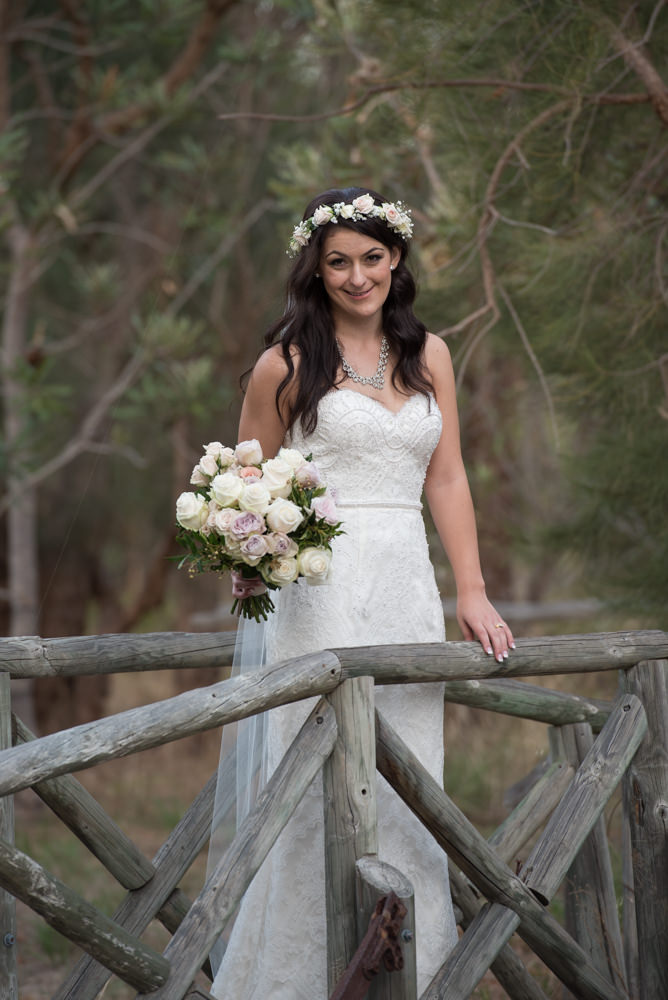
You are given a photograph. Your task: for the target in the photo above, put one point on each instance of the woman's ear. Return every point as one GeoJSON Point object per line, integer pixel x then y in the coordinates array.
{"type": "Point", "coordinates": [395, 257]}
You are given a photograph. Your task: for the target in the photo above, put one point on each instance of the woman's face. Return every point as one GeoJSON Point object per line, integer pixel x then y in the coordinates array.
{"type": "Point", "coordinates": [355, 272]}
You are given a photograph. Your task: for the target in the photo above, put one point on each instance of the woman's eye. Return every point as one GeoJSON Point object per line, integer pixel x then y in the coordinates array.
{"type": "Point", "coordinates": [373, 258]}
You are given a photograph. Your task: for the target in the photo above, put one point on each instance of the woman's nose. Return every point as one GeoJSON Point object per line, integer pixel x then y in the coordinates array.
{"type": "Point", "coordinates": [356, 275]}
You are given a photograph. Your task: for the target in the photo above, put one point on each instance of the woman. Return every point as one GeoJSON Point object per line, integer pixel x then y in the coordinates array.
{"type": "Point", "coordinates": [351, 376]}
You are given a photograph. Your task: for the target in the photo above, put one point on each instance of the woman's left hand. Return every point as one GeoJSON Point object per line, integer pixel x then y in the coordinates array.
{"type": "Point", "coordinates": [478, 619]}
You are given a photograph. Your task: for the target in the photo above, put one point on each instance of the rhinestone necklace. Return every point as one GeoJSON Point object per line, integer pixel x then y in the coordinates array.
{"type": "Point", "coordinates": [377, 380]}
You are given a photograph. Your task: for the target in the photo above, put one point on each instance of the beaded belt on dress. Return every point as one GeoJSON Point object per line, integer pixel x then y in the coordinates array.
{"type": "Point", "coordinates": [394, 504]}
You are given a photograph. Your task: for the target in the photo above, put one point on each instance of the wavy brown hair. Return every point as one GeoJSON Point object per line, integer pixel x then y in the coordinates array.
{"type": "Point", "coordinates": [307, 324]}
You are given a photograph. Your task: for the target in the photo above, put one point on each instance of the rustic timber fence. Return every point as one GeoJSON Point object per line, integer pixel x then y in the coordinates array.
{"type": "Point", "coordinates": [593, 746]}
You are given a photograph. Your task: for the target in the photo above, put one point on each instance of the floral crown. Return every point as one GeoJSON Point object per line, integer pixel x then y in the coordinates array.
{"type": "Point", "coordinates": [363, 207]}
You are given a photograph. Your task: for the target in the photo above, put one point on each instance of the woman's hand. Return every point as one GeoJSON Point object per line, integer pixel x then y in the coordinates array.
{"type": "Point", "coordinates": [478, 620]}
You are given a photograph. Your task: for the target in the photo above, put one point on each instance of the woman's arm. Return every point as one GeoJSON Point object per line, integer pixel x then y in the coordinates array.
{"type": "Point", "coordinates": [449, 498]}
{"type": "Point", "coordinates": [259, 417]}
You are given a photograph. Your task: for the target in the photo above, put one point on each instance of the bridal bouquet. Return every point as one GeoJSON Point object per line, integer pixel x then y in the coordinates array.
{"type": "Point", "coordinates": [268, 521]}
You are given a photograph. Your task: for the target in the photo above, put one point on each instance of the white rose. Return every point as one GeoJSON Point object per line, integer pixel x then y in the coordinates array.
{"type": "Point", "coordinates": [364, 203]}
{"type": "Point", "coordinates": [222, 519]}
{"type": "Point", "coordinates": [281, 571]}
{"type": "Point", "coordinates": [248, 452]}
{"type": "Point", "coordinates": [198, 478]}
{"type": "Point", "coordinates": [192, 511]}
{"type": "Point", "coordinates": [283, 515]}
{"type": "Point", "coordinates": [323, 214]}
{"type": "Point", "coordinates": [392, 213]}
{"type": "Point", "coordinates": [293, 457]}
{"type": "Point", "coordinates": [301, 235]}
{"type": "Point", "coordinates": [314, 563]}
{"type": "Point", "coordinates": [208, 465]}
{"type": "Point", "coordinates": [232, 545]}
{"type": "Point", "coordinates": [347, 211]}
{"type": "Point", "coordinates": [224, 455]}
{"type": "Point", "coordinates": [277, 477]}
{"type": "Point", "coordinates": [255, 497]}
{"type": "Point", "coordinates": [226, 488]}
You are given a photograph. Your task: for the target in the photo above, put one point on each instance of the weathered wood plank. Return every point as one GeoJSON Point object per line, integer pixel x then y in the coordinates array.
{"type": "Point", "coordinates": [597, 777]}
{"type": "Point", "coordinates": [349, 795]}
{"type": "Point", "coordinates": [32, 656]}
{"type": "Point", "coordinates": [172, 861]}
{"type": "Point", "coordinates": [376, 879]}
{"type": "Point", "coordinates": [223, 890]}
{"type": "Point", "coordinates": [507, 966]}
{"type": "Point", "coordinates": [8, 971]}
{"type": "Point", "coordinates": [65, 910]}
{"type": "Point", "coordinates": [591, 903]}
{"type": "Point", "coordinates": [467, 848]}
{"type": "Point", "coordinates": [529, 815]}
{"type": "Point", "coordinates": [540, 656]}
{"type": "Point", "coordinates": [86, 818]}
{"type": "Point", "coordinates": [646, 798]}
{"type": "Point", "coordinates": [164, 721]}
{"type": "Point", "coordinates": [528, 701]}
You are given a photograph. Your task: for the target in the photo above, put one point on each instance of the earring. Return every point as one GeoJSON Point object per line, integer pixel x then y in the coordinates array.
{"type": "Point", "coordinates": [317, 274]}
{"type": "Point", "coordinates": [392, 266]}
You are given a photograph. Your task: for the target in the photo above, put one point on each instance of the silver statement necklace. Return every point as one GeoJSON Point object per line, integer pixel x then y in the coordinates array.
{"type": "Point", "coordinates": [377, 380]}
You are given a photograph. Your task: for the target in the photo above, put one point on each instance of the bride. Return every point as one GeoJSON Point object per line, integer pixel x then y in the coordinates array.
{"type": "Point", "coordinates": [350, 375]}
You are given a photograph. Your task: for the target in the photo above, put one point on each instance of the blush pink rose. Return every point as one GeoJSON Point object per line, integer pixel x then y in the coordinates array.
{"type": "Point", "coordinates": [247, 524]}
{"type": "Point", "coordinates": [325, 509]}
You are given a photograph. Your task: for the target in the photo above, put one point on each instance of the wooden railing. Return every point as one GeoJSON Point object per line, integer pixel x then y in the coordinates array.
{"type": "Point", "coordinates": [594, 745]}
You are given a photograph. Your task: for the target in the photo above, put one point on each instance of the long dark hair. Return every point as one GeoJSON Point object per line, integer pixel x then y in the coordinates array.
{"type": "Point", "coordinates": [307, 322]}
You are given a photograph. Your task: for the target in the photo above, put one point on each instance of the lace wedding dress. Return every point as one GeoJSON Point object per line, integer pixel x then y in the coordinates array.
{"type": "Point", "coordinates": [382, 590]}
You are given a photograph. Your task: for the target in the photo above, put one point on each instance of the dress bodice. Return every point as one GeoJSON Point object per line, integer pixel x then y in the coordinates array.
{"type": "Point", "coordinates": [367, 453]}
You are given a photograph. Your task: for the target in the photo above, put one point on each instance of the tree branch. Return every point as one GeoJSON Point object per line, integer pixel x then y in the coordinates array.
{"type": "Point", "coordinates": [385, 88]}
{"type": "Point", "coordinates": [636, 57]}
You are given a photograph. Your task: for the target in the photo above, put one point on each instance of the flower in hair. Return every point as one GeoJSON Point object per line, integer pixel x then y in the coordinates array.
{"type": "Point", "coordinates": [393, 214]}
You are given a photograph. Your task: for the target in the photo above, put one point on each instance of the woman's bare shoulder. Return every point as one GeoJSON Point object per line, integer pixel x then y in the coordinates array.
{"type": "Point", "coordinates": [271, 367]}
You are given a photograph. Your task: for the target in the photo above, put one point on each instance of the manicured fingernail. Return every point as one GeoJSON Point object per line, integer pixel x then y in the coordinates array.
{"type": "Point", "coordinates": [505, 654]}
{"type": "Point", "coordinates": [489, 650]}
{"type": "Point", "coordinates": [512, 645]}
{"type": "Point", "coordinates": [500, 658]}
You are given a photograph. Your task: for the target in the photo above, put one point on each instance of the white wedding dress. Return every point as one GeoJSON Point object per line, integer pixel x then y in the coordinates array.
{"type": "Point", "coordinates": [382, 590]}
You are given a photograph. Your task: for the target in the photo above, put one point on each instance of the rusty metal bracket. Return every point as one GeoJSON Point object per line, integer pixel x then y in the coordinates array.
{"type": "Point", "coordinates": [382, 942]}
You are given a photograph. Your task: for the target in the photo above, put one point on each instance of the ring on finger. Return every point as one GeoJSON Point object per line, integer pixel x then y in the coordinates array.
{"type": "Point", "coordinates": [499, 625]}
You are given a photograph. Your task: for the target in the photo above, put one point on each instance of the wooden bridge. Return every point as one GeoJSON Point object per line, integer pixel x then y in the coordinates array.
{"type": "Point", "coordinates": [593, 746]}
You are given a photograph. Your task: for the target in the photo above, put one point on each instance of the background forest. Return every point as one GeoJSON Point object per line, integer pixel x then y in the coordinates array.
{"type": "Point", "coordinates": [154, 157]}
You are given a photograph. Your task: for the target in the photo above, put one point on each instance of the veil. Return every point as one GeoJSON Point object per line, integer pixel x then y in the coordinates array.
{"type": "Point", "coordinates": [242, 769]}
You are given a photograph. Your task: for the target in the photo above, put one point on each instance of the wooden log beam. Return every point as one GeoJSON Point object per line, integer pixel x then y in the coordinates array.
{"type": "Point", "coordinates": [88, 821]}
{"type": "Point", "coordinates": [540, 656]}
{"type": "Point", "coordinates": [531, 813]}
{"type": "Point", "coordinates": [349, 796]}
{"type": "Point", "coordinates": [223, 890]}
{"type": "Point", "coordinates": [506, 965]}
{"type": "Point", "coordinates": [88, 977]}
{"type": "Point", "coordinates": [646, 805]}
{"type": "Point", "coordinates": [65, 910]}
{"type": "Point", "coordinates": [376, 879]}
{"type": "Point", "coordinates": [164, 721]}
{"type": "Point", "coordinates": [31, 656]}
{"type": "Point", "coordinates": [75, 656]}
{"type": "Point", "coordinates": [597, 777]}
{"type": "Point", "coordinates": [590, 897]}
{"type": "Point", "coordinates": [528, 701]}
{"type": "Point", "coordinates": [476, 858]}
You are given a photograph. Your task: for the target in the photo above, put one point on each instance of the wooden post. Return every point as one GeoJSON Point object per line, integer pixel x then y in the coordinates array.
{"type": "Point", "coordinates": [591, 903]}
{"type": "Point", "coordinates": [8, 974]}
{"type": "Point", "coordinates": [646, 801]}
{"type": "Point", "coordinates": [349, 790]}
{"type": "Point", "coordinates": [375, 879]}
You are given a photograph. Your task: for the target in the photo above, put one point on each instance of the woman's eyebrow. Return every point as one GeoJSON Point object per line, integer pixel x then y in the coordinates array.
{"type": "Point", "coordinates": [340, 253]}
